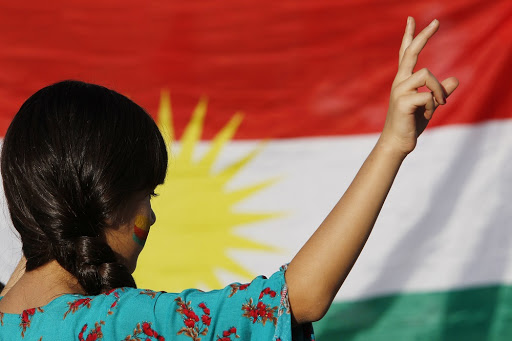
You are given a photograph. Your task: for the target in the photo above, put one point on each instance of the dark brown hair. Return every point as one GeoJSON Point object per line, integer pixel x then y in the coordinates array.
{"type": "Point", "coordinates": [72, 157]}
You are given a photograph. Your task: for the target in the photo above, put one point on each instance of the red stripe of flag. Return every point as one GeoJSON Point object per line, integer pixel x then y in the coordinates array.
{"type": "Point", "coordinates": [296, 68]}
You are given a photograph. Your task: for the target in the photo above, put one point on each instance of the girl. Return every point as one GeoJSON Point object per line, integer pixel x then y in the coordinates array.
{"type": "Point", "coordinates": [79, 165]}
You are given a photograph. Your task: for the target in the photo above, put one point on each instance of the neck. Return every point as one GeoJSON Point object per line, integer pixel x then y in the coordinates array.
{"type": "Point", "coordinates": [38, 287]}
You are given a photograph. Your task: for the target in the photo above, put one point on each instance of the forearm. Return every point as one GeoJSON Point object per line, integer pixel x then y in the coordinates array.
{"type": "Point", "coordinates": [316, 273]}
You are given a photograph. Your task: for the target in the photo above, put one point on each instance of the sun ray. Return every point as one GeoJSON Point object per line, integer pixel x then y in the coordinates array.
{"type": "Point", "coordinates": [197, 219]}
{"type": "Point", "coordinates": [237, 268]}
{"type": "Point", "coordinates": [220, 140]}
{"type": "Point", "coordinates": [213, 281]}
{"type": "Point", "coordinates": [245, 192]}
{"type": "Point", "coordinates": [208, 281]}
{"type": "Point", "coordinates": [165, 116]}
{"type": "Point", "coordinates": [247, 218]}
{"type": "Point", "coordinates": [230, 171]}
{"type": "Point", "coordinates": [192, 133]}
{"type": "Point", "coordinates": [247, 244]}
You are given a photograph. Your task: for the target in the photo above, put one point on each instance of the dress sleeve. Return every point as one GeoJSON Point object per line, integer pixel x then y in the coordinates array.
{"type": "Point", "coordinates": [254, 311]}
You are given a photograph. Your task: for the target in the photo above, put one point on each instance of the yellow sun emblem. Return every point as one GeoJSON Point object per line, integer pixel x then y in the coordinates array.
{"type": "Point", "coordinates": [196, 220]}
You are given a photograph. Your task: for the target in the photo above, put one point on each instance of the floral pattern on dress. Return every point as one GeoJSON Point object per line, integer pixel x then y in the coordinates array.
{"type": "Point", "coordinates": [117, 297]}
{"type": "Point", "coordinates": [284, 305]}
{"type": "Point", "coordinates": [193, 328]}
{"type": "Point", "coordinates": [254, 311]}
{"type": "Point", "coordinates": [236, 286]}
{"type": "Point", "coordinates": [144, 331]}
{"type": "Point", "coordinates": [267, 291]}
{"type": "Point", "coordinates": [26, 319]}
{"type": "Point", "coordinates": [148, 292]}
{"type": "Point", "coordinates": [260, 312]}
{"type": "Point", "coordinates": [94, 334]}
{"type": "Point", "coordinates": [77, 304]}
{"type": "Point", "coordinates": [226, 335]}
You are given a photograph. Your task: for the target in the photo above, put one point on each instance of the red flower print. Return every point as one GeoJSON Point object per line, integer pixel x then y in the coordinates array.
{"type": "Point", "coordinates": [267, 291]}
{"type": "Point", "coordinates": [146, 327]}
{"type": "Point", "coordinates": [206, 311]}
{"type": "Point", "coordinates": [190, 323]}
{"type": "Point", "coordinates": [94, 334]}
{"type": "Point", "coordinates": [26, 313]}
{"type": "Point", "coordinates": [115, 291]}
{"type": "Point", "coordinates": [77, 304]}
{"type": "Point", "coordinates": [144, 331]}
{"type": "Point", "coordinates": [149, 293]}
{"type": "Point", "coordinates": [226, 335]}
{"type": "Point", "coordinates": [26, 318]}
{"type": "Point", "coordinates": [194, 327]}
{"type": "Point", "coordinates": [259, 313]}
{"type": "Point", "coordinates": [235, 287]}
{"type": "Point", "coordinates": [206, 319]}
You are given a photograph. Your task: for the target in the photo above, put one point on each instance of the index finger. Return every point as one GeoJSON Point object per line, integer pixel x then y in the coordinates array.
{"type": "Point", "coordinates": [410, 55]}
{"type": "Point", "coordinates": [408, 37]}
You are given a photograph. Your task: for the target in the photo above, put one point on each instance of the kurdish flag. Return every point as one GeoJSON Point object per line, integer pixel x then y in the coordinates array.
{"type": "Point", "coordinates": [270, 109]}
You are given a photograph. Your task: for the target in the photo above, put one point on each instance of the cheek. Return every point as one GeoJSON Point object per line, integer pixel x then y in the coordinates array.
{"type": "Point", "coordinates": [141, 229]}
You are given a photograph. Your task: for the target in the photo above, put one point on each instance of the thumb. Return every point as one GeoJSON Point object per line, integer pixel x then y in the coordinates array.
{"type": "Point", "coordinates": [449, 85]}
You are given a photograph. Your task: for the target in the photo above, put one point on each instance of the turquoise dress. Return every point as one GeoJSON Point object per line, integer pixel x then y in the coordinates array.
{"type": "Point", "coordinates": [254, 311]}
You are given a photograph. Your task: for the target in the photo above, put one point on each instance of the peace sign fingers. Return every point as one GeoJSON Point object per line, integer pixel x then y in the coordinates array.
{"type": "Point", "coordinates": [409, 110]}
{"type": "Point", "coordinates": [411, 48]}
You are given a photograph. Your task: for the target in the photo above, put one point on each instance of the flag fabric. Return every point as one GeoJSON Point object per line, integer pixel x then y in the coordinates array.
{"type": "Point", "coordinates": [269, 110]}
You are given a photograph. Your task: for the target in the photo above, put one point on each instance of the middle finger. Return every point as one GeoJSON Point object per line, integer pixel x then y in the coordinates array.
{"type": "Point", "coordinates": [410, 57]}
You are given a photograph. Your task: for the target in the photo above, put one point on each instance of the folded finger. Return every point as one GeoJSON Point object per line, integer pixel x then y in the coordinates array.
{"type": "Point", "coordinates": [421, 100]}
{"type": "Point", "coordinates": [421, 78]}
{"type": "Point", "coordinates": [449, 85]}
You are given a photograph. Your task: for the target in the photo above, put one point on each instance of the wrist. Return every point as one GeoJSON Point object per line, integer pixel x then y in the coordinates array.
{"type": "Point", "coordinates": [391, 148]}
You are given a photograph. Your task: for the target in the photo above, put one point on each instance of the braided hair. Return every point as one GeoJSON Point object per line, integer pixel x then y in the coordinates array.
{"type": "Point", "coordinates": [71, 157]}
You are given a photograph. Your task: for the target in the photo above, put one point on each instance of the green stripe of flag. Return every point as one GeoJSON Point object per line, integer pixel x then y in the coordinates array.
{"type": "Point", "coordinates": [483, 313]}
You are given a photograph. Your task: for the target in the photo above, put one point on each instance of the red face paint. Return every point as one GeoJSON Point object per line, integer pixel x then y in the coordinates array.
{"type": "Point", "coordinates": [141, 230]}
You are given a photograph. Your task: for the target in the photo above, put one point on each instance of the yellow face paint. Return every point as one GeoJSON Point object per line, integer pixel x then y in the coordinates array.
{"type": "Point", "coordinates": [141, 229]}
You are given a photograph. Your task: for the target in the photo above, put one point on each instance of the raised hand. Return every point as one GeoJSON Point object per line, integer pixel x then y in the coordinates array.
{"type": "Point", "coordinates": [316, 273]}
{"type": "Point", "coordinates": [409, 110]}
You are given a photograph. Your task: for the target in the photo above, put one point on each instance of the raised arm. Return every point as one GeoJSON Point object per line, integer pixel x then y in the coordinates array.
{"type": "Point", "coordinates": [318, 270]}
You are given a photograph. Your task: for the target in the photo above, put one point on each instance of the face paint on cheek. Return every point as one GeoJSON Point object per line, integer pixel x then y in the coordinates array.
{"type": "Point", "coordinates": [141, 230]}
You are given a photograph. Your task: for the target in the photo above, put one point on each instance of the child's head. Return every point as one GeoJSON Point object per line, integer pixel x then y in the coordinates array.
{"type": "Point", "coordinates": [76, 161]}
